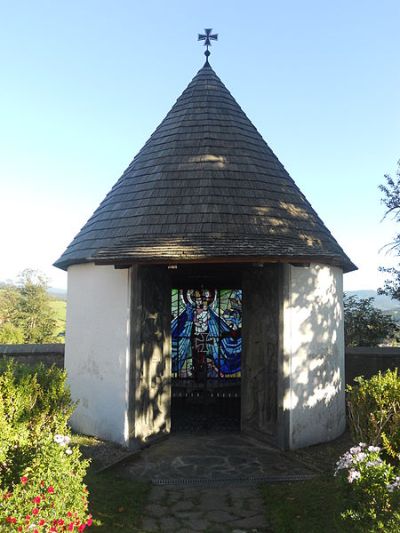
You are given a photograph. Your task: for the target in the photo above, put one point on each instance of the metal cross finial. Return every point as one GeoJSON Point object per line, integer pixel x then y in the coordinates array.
{"type": "Point", "coordinates": [207, 37]}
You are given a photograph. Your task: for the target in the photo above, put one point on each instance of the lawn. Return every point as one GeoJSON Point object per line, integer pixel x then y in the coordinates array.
{"type": "Point", "coordinates": [312, 506]}
{"type": "Point", "coordinates": [60, 309]}
{"type": "Point", "coordinates": [115, 502]}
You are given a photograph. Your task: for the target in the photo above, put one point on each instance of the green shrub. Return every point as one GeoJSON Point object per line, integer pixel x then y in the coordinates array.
{"type": "Point", "coordinates": [41, 474]}
{"type": "Point", "coordinates": [374, 411]}
{"type": "Point", "coordinates": [371, 490]}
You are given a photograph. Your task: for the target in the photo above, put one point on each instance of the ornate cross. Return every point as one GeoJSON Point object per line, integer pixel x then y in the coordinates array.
{"type": "Point", "coordinates": [202, 341]}
{"type": "Point", "coordinates": [207, 37]}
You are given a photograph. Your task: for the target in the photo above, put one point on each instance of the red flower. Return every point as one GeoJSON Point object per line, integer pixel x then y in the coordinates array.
{"type": "Point", "coordinates": [20, 528]}
{"type": "Point", "coordinates": [35, 531]}
{"type": "Point", "coordinates": [11, 520]}
{"type": "Point", "coordinates": [27, 517]}
{"type": "Point", "coordinates": [69, 513]}
{"type": "Point", "coordinates": [24, 480]}
{"type": "Point", "coordinates": [37, 499]}
{"type": "Point", "coordinates": [60, 522]}
{"type": "Point", "coordinates": [81, 528]}
{"type": "Point", "coordinates": [42, 522]}
{"type": "Point", "coordinates": [35, 511]}
{"type": "Point", "coordinates": [50, 489]}
{"type": "Point", "coordinates": [71, 526]}
{"type": "Point", "coordinates": [89, 522]}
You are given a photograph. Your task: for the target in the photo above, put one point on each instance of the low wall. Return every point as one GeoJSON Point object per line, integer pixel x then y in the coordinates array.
{"type": "Point", "coordinates": [359, 361]}
{"type": "Point", "coordinates": [368, 361]}
{"type": "Point", "coordinates": [32, 354]}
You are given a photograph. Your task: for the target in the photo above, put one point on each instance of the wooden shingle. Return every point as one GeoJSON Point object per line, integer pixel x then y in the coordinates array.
{"type": "Point", "coordinates": [205, 187]}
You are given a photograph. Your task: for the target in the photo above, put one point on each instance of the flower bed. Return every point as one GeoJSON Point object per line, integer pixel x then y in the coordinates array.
{"type": "Point", "coordinates": [41, 472]}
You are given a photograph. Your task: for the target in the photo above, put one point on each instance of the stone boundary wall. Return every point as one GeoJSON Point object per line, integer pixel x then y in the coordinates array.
{"type": "Point", "coordinates": [368, 361]}
{"type": "Point", "coordinates": [32, 354]}
{"type": "Point", "coordinates": [359, 361]}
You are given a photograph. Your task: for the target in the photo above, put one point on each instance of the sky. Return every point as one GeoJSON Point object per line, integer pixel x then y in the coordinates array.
{"type": "Point", "coordinates": [84, 83]}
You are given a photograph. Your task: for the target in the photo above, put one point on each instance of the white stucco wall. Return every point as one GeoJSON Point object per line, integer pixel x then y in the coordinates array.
{"type": "Point", "coordinates": [313, 354]}
{"type": "Point", "coordinates": [97, 349]}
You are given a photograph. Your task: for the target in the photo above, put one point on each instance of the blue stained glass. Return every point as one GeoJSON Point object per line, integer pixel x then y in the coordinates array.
{"type": "Point", "coordinates": [206, 333]}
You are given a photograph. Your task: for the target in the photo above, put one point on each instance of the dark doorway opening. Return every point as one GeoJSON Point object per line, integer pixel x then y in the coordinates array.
{"type": "Point", "coordinates": [206, 336]}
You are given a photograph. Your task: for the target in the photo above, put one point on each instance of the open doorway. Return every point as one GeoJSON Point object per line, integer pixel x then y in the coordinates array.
{"type": "Point", "coordinates": [206, 331]}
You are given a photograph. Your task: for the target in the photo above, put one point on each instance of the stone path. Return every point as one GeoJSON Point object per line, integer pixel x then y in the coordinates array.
{"type": "Point", "coordinates": [236, 509]}
{"type": "Point", "coordinates": [213, 457]}
{"type": "Point", "coordinates": [209, 482]}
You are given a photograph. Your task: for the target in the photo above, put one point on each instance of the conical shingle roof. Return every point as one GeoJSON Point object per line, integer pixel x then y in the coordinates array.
{"type": "Point", "coordinates": [205, 187]}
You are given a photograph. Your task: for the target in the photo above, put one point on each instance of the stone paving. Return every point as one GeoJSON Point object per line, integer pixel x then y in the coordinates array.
{"type": "Point", "coordinates": [224, 456]}
{"type": "Point", "coordinates": [209, 482]}
{"type": "Point", "coordinates": [221, 509]}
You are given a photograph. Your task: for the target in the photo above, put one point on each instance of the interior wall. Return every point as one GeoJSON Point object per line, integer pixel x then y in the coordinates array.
{"type": "Point", "coordinates": [260, 333]}
{"type": "Point", "coordinates": [313, 346]}
{"type": "Point", "coordinates": [97, 349]}
{"type": "Point", "coordinates": [150, 402]}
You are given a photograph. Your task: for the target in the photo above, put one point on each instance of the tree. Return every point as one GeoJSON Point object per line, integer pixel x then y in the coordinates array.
{"type": "Point", "coordinates": [26, 315]}
{"type": "Point", "coordinates": [364, 325]}
{"type": "Point", "coordinates": [391, 199]}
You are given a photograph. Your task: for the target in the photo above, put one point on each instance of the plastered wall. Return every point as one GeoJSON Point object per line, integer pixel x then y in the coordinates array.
{"type": "Point", "coordinates": [98, 348]}
{"type": "Point", "coordinates": [313, 354]}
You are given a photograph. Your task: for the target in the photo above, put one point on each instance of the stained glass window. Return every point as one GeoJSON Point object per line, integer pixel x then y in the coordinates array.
{"type": "Point", "coordinates": [206, 333]}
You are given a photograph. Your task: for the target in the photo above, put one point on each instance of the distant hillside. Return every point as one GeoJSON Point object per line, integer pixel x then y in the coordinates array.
{"type": "Point", "coordinates": [58, 294]}
{"type": "Point", "coordinates": [381, 302]}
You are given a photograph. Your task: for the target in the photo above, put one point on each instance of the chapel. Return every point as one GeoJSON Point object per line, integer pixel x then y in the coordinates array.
{"type": "Point", "coordinates": [205, 293]}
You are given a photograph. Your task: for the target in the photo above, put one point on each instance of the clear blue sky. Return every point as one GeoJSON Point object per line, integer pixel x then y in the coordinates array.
{"type": "Point", "coordinates": [85, 82]}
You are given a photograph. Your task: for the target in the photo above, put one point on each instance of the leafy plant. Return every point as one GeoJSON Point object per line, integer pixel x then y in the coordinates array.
{"type": "Point", "coordinates": [371, 489]}
{"type": "Point", "coordinates": [374, 411]}
{"type": "Point", "coordinates": [391, 199]}
{"type": "Point", "coordinates": [41, 473]}
{"type": "Point", "coordinates": [364, 325]}
{"type": "Point", "coordinates": [26, 315]}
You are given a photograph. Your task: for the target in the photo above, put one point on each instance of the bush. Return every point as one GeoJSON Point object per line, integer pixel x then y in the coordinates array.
{"type": "Point", "coordinates": [374, 411]}
{"type": "Point", "coordinates": [370, 488]}
{"type": "Point", "coordinates": [41, 474]}
{"type": "Point", "coordinates": [365, 325]}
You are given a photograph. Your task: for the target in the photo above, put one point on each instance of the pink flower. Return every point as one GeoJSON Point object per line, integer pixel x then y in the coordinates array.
{"type": "Point", "coordinates": [81, 528]}
{"type": "Point", "coordinates": [37, 499]}
{"type": "Point", "coordinates": [89, 522]}
{"type": "Point", "coordinates": [71, 526]}
{"type": "Point", "coordinates": [24, 480]}
{"type": "Point", "coordinates": [35, 511]}
{"type": "Point", "coordinates": [50, 489]}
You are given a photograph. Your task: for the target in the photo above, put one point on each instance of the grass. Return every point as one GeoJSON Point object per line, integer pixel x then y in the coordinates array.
{"type": "Point", "coordinates": [60, 309]}
{"type": "Point", "coordinates": [312, 506]}
{"type": "Point", "coordinates": [115, 502]}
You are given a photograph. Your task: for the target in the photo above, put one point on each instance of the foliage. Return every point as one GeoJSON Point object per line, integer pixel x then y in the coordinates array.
{"type": "Point", "coordinates": [116, 502]}
{"type": "Point", "coordinates": [311, 506]}
{"type": "Point", "coordinates": [26, 315]}
{"type": "Point", "coordinates": [374, 411]}
{"type": "Point", "coordinates": [364, 325]}
{"type": "Point", "coordinates": [41, 474]}
{"type": "Point", "coordinates": [370, 488]}
{"type": "Point", "coordinates": [391, 199]}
